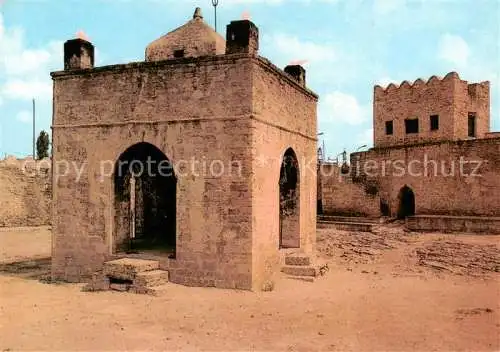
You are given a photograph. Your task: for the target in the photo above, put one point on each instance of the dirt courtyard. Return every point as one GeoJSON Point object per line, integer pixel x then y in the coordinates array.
{"type": "Point", "coordinates": [385, 291]}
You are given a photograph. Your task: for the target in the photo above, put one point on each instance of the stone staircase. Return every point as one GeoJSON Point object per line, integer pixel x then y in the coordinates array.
{"type": "Point", "coordinates": [129, 275]}
{"type": "Point", "coordinates": [301, 267]}
{"type": "Point", "coordinates": [347, 223]}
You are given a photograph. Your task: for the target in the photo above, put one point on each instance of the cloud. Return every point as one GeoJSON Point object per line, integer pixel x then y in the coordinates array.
{"type": "Point", "coordinates": [28, 89]}
{"type": "Point", "coordinates": [341, 107]}
{"type": "Point", "coordinates": [25, 71]}
{"type": "Point", "coordinates": [453, 49]}
{"type": "Point", "coordinates": [24, 116]}
{"type": "Point", "coordinates": [292, 48]}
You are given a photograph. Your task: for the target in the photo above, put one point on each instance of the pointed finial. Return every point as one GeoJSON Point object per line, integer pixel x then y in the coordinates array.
{"type": "Point", "coordinates": [197, 13]}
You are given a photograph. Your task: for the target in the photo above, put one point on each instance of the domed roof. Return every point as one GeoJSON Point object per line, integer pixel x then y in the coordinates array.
{"type": "Point", "coordinates": [195, 38]}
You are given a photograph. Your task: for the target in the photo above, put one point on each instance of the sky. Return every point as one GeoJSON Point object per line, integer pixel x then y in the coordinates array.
{"type": "Point", "coordinates": [349, 45]}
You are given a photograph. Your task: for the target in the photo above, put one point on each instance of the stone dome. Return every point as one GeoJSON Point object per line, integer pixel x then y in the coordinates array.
{"type": "Point", "coordinates": [195, 38]}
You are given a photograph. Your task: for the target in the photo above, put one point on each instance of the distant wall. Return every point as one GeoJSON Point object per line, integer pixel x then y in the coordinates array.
{"type": "Point", "coordinates": [341, 196]}
{"type": "Point", "coordinates": [448, 178]}
{"type": "Point", "coordinates": [25, 192]}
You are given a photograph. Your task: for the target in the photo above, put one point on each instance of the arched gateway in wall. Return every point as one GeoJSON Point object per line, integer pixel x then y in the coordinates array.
{"type": "Point", "coordinates": [406, 200]}
{"type": "Point", "coordinates": [289, 201]}
{"type": "Point", "coordinates": [145, 200]}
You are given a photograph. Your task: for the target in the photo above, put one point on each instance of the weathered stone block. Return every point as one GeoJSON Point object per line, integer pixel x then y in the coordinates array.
{"type": "Point", "coordinates": [300, 270]}
{"type": "Point", "coordinates": [151, 278]}
{"type": "Point", "coordinates": [298, 260]}
{"type": "Point", "coordinates": [128, 268]}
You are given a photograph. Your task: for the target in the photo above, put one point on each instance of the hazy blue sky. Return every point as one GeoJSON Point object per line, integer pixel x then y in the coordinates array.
{"type": "Point", "coordinates": [350, 45]}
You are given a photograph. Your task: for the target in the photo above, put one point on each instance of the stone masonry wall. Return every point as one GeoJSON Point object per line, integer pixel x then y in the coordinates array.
{"type": "Point", "coordinates": [284, 116]}
{"type": "Point", "coordinates": [433, 172]}
{"type": "Point", "coordinates": [450, 98]}
{"type": "Point", "coordinates": [341, 196]}
{"type": "Point", "coordinates": [100, 113]}
{"type": "Point", "coordinates": [25, 192]}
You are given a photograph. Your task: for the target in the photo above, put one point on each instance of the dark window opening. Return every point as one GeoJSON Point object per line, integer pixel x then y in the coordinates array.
{"type": "Point", "coordinates": [411, 126]}
{"type": "Point", "coordinates": [384, 208]}
{"type": "Point", "coordinates": [434, 122]}
{"type": "Point", "coordinates": [179, 53]}
{"type": "Point", "coordinates": [472, 125]}
{"type": "Point", "coordinates": [388, 128]}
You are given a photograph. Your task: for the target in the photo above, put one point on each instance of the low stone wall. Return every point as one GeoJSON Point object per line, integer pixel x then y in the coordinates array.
{"type": "Point", "coordinates": [345, 226]}
{"type": "Point", "coordinates": [442, 223]}
{"type": "Point", "coordinates": [452, 178]}
{"type": "Point", "coordinates": [25, 192]}
{"type": "Point", "coordinates": [340, 196]}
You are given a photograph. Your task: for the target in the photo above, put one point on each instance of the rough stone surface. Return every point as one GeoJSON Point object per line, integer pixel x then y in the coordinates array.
{"type": "Point", "coordinates": [295, 270]}
{"type": "Point", "coordinates": [432, 171]}
{"type": "Point", "coordinates": [25, 192]}
{"type": "Point", "coordinates": [127, 268]}
{"type": "Point", "coordinates": [195, 38]}
{"type": "Point", "coordinates": [151, 278]}
{"type": "Point", "coordinates": [451, 98]}
{"type": "Point", "coordinates": [298, 260]}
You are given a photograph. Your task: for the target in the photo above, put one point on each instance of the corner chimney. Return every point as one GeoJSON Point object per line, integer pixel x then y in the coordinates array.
{"type": "Point", "coordinates": [242, 37]}
{"type": "Point", "coordinates": [298, 73]}
{"type": "Point", "coordinates": [78, 54]}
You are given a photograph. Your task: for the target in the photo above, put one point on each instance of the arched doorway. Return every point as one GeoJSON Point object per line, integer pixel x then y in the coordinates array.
{"type": "Point", "coordinates": [145, 200]}
{"type": "Point", "coordinates": [289, 196]}
{"type": "Point", "coordinates": [406, 202]}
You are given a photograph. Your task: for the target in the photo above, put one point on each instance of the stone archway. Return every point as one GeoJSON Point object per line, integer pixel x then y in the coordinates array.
{"type": "Point", "coordinates": [145, 200]}
{"type": "Point", "coordinates": [406, 199]}
{"type": "Point", "coordinates": [289, 196]}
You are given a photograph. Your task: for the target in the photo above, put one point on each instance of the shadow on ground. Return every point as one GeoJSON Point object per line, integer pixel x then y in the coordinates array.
{"type": "Point", "coordinates": [32, 269]}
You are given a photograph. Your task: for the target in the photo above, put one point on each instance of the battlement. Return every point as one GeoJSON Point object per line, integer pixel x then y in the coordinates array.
{"type": "Point", "coordinates": [447, 108]}
{"type": "Point", "coordinates": [432, 82]}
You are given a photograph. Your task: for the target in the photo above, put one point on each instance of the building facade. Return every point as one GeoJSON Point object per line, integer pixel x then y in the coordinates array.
{"type": "Point", "coordinates": [223, 132]}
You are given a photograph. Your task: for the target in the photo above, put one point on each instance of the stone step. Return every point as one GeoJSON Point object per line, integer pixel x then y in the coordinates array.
{"type": "Point", "coordinates": [302, 278]}
{"type": "Point", "coordinates": [151, 278]}
{"type": "Point", "coordinates": [128, 268]}
{"type": "Point", "coordinates": [119, 287]}
{"type": "Point", "coordinates": [152, 291]}
{"type": "Point", "coordinates": [296, 270]}
{"type": "Point", "coordinates": [297, 260]}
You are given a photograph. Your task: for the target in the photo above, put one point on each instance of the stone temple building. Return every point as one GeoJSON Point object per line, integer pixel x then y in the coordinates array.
{"type": "Point", "coordinates": [202, 157]}
{"type": "Point", "coordinates": [434, 161]}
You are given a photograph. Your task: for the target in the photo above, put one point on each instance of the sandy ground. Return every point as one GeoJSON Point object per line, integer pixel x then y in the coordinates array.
{"type": "Point", "coordinates": [385, 291]}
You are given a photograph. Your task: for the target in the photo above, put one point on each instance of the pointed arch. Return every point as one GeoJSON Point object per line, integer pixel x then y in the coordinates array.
{"type": "Point", "coordinates": [145, 200]}
{"type": "Point", "coordinates": [289, 200]}
{"type": "Point", "coordinates": [406, 198]}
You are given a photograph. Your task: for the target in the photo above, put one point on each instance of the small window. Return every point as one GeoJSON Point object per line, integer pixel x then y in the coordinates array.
{"type": "Point", "coordinates": [388, 128]}
{"type": "Point", "coordinates": [472, 125]}
{"type": "Point", "coordinates": [179, 53]}
{"type": "Point", "coordinates": [411, 126]}
{"type": "Point", "coordinates": [434, 122]}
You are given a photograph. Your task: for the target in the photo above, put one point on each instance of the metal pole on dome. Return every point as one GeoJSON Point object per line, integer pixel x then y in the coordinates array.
{"type": "Point", "coordinates": [214, 4]}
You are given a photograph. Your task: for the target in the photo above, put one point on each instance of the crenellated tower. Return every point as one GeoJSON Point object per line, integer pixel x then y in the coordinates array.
{"type": "Point", "coordinates": [440, 109]}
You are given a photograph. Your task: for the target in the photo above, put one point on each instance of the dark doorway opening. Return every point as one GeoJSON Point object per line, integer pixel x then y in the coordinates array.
{"type": "Point", "coordinates": [406, 202]}
{"type": "Point", "coordinates": [145, 195]}
{"type": "Point", "coordinates": [384, 208]}
{"type": "Point", "coordinates": [289, 201]}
